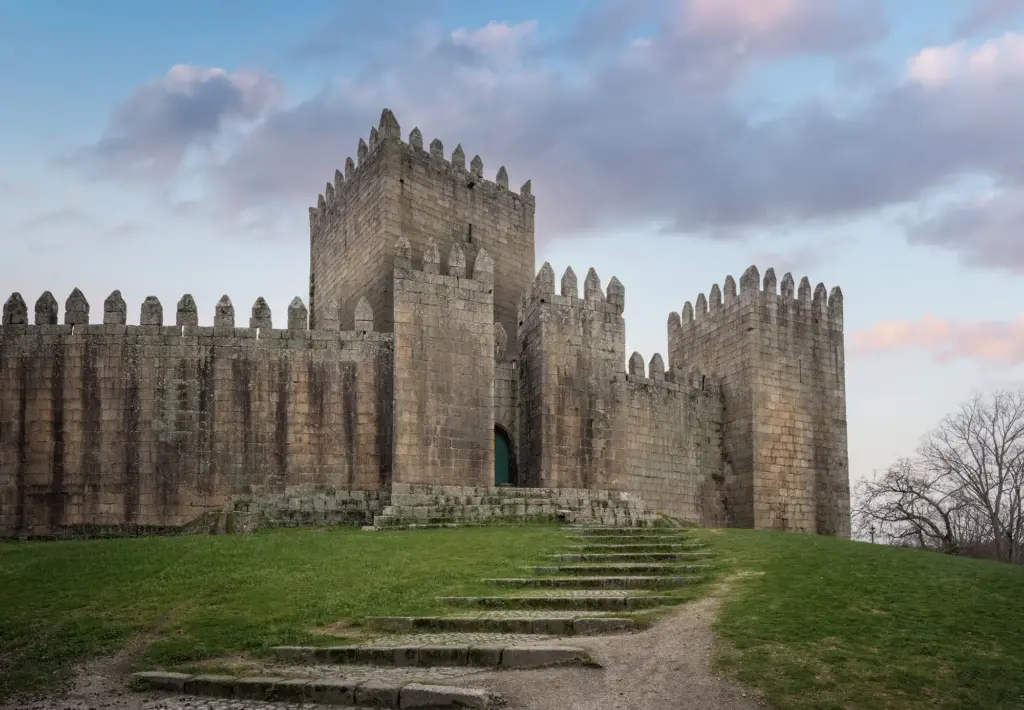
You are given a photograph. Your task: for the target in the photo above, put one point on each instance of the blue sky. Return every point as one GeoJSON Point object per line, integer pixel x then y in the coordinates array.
{"type": "Point", "coordinates": [874, 144]}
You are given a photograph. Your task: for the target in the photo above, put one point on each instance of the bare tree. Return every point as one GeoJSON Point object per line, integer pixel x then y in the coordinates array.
{"type": "Point", "coordinates": [907, 506]}
{"type": "Point", "coordinates": [963, 492]}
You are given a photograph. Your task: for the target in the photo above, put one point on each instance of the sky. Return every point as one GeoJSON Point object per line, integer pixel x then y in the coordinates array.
{"type": "Point", "coordinates": [170, 148]}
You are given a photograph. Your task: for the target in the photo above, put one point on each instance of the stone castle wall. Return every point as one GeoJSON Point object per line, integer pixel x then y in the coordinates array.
{"type": "Point", "coordinates": [674, 455]}
{"type": "Point", "coordinates": [780, 357]}
{"type": "Point", "coordinates": [109, 425]}
{"type": "Point", "coordinates": [444, 369]}
{"type": "Point", "coordinates": [572, 351]}
{"type": "Point", "coordinates": [396, 189]}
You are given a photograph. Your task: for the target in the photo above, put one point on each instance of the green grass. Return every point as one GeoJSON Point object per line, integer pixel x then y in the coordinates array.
{"type": "Point", "coordinates": [814, 622]}
{"type": "Point", "coordinates": [201, 597]}
{"type": "Point", "coordinates": [823, 623]}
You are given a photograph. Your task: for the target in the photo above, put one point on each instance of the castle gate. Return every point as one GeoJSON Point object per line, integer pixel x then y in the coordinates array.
{"type": "Point", "coordinates": [502, 457]}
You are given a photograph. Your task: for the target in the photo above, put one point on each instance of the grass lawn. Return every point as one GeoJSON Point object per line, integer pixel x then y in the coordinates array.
{"type": "Point", "coordinates": [62, 602]}
{"type": "Point", "coordinates": [824, 623]}
{"type": "Point", "coordinates": [815, 622]}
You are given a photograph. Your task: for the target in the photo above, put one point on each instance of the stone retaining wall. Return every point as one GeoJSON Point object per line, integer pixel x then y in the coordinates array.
{"type": "Point", "coordinates": [448, 505]}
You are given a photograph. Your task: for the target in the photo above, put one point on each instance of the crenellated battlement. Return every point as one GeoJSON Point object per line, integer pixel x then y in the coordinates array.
{"type": "Point", "coordinates": [654, 374]}
{"type": "Point", "coordinates": [612, 301]}
{"type": "Point", "coordinates": [186, 319]}
{"type": "Point", "coordinates": [345, 183]}
{"type": "Point", "coordinates": [395, 188]}
{"type": "Point", "coordinates": [455, 270]}
{"type": "Point", "coordinates": [786, 305]}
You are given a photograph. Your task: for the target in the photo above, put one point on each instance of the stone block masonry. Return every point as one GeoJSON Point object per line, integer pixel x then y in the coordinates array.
{"type": "Point", "coordinates": [780, 357]}
{"type": "Point", "coordinates": [572, 351]}
{"type": "Point", "coordinates": [401, 189]}
{"type": "Point", "coordinates": [674, 455]}
{"type": "Point", "coordinates": [153, 425]}
{"type": "Point", "coordinates": [444, 368]}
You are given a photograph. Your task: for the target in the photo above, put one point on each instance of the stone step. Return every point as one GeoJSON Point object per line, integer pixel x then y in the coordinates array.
{"type": "Point", "coordinates": [628, 568]}
{"type": "Point", "coordinates": [405, 519]}
{"type": "Point", "coordinates": [535, 622]}
{"type": "Point", "coordinates": [630, 556]}
{"type": "Point", "coordinates": [608, 601]}
{"type": "Point", "coordinates": [624, 531]}
{"type": "Point", "coordinates": [323, 691]}
{"type": "Point", "coordinates": [438, 655]}
{"type": "Point", "coordinates": [639, 547]}
{"type": "Point", "coordinates": [602, 582]}
{"type": "Point", "coordinates": [616, 539]}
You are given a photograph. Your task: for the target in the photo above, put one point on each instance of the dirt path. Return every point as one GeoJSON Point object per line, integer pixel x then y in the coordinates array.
{"type": "Point", "coordinates": [665, 668]}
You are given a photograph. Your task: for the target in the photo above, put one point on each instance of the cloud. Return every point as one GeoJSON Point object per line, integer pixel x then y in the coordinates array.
{"type": "Point", "coordinates": [984, 14]}
{"type": "Point", "coordinates": [780, 27]}
{"type": "Point", "coordinates": [999, 59]}
{"type": "Point", "coordinates": [58, 228]}
{"type": "Point", "coordinates": [985, 231]}
{"type": "Point", "coordinates": [991, 342]}
{"type": "Point", "coordinates": [495, 39]}
{"type": "Point", "coordinates": [644, 128]}
{"type": "Point", "coordinates": [362, 30]}
{"type": "Point", "coordinates": [152, 130]}
{"type": "Point", "coordinates": [648, 131]}
{"type": "Point", "coordinates": [803, 257]}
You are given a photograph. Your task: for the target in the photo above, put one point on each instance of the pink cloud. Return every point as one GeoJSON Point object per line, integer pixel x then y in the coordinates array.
{"type": "Point", "coordinates": [761, 16]}
{"type": "Point", "coordinates": [778, 27]}
{"type": "Point", "coordinates": [945, 340]}
{"type": "Point", "coordinates": [999, 58]}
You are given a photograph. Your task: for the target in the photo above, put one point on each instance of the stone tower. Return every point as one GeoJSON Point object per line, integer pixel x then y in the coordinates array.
{"type": "Point", "coordinates": [781, 356]}
{"type": "Point", "coordinates": [397, 189]}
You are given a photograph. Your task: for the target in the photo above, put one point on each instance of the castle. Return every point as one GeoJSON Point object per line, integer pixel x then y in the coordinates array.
{"type": "Point", "coordinates": [436, 373]}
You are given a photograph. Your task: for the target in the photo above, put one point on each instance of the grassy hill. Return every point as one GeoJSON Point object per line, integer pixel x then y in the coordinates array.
{"type": "Point", "coordinates": [824, 623]}
{"type": "Point", "coordinates": [815, 622]}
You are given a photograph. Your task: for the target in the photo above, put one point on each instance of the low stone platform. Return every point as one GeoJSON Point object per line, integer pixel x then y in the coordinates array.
{"type": "Point", "coordinates": [416, 505]}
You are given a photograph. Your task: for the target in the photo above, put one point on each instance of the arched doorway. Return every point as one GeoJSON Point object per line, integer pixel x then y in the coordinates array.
{"type": "Point", "coordinates": [502, 457]}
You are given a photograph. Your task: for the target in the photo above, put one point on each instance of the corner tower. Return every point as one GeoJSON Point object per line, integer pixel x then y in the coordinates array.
{"type": "Point", "coordinates": [781, 356]}
{"type": "Point", "coordinates": [395, 189]}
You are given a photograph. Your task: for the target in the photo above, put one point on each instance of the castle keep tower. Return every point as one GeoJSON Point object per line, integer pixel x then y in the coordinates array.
{"type": "Point", "coordinates": [399, 190]}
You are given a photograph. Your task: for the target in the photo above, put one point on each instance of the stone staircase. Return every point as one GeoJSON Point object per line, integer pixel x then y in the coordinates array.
{"type": "Point", "coordinates": [612, 580]}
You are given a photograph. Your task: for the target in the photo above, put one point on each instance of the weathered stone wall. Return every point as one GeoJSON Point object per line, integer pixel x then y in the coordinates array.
{"type": "Point", "coordinates": [445, 505]}
{"type": "Point", "coordinates": [571, 397]}
{"type": "Point", "coordinates": [506, 406]}
{"type": "Point", "coordinates": [396, 189]}
{"type": "Point", "coordinates": [674, 455]}
{"type": "Point", "coordinates": [444, 368]}
{"type": "Point", "coordinates": [781, 363]}
{"type": "Point", "coordinates": [109, 425]}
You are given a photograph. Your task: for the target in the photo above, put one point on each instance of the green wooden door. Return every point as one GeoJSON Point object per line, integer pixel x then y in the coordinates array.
{"type": "Point", "coordinates": [502, 459]}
